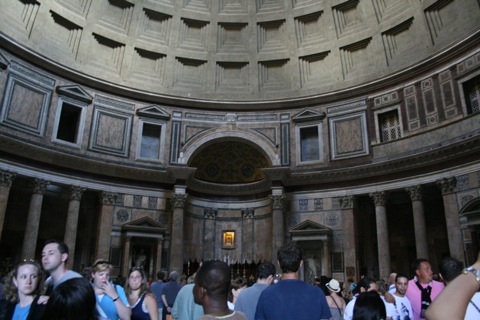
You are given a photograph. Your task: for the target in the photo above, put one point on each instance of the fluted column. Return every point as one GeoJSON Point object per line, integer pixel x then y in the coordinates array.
{"type": "Point", "coordinates": [33, 219]}
{"type": "Point", "coordinates": [455, 243]}
{"type": "Point", "coordinates": [278, 207]}
{"type": "Point", "coordinates": [210, 215]}
{"type": "Point", "coordinates": [380, 199]}
{"type": "Point", "coordinates": [248, 244]}
{"type": "Point", "coordinates": [326, 257]}
{"type": "Point", "coordinates": [126, 255]}
{"type": "Point", "coordinates": [179, 199]}
{"type": "Point", "coordinates": [104, 231]}
{"type": "Point", "coordinates": [421, 243]}
{"type": "Point", "coordinates": [349, 238]}
{"type": "Point", "coordinates": [158, 261]}
{"type": "Point", "coordinates": [6, 179]}
{"type": "Point", "coordinates": [70, 236]}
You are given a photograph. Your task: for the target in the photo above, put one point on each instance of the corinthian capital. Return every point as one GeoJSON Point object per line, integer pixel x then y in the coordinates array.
{"type": "Point", "coordinates": [107, 198]}
{"type": "Point", "coordinates": [347, 202]}
{"type": "Point", "coordinates": [278, 202]}
{"type": "Point", "coordinates": [39, 186]}
{"type": "Point", "coordinates": [379, 198]}
{"type": "Point", "coordinates": [6, 178]}
{"type": "Point", "coordinates": [76, 192]}
{"type": "Point", "coordinates": [179, 200]}
{"type": "Point", "coordinates": [447, 185]}
{"type": "Point", "coordinates": [415, 192]}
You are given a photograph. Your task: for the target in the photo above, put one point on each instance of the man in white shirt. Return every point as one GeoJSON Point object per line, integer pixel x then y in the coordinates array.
{"type": "Point", "coordinates": [403, 308]}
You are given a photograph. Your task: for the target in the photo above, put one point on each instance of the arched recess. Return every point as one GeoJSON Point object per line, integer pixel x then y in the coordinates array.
{"type": "Point", "coordinates": [269, 150]}
{"type": "Point", "coordinates": [469, 216]}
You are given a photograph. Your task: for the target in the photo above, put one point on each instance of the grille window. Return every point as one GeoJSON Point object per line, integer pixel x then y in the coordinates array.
{"type": "Point", "coordinates": [389, 126]}
{"type": "Point", "coordinates": [474, 96]}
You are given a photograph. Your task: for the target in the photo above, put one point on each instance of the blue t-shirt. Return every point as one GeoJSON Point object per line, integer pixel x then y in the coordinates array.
{"type": "Point", "coordinates": [21, 313]}
{"type": "Point", "coordinates": [291, 300]}
{"type": "Point", "coordinates": [108, 306]}
{"type": "Point", "coordinates": [157, 288]}
{"type": "Point", "coordinates": [248, 298]}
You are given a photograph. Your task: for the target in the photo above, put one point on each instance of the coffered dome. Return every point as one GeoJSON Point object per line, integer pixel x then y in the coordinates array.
{"type": "Point", "coordinates": [201, 52]}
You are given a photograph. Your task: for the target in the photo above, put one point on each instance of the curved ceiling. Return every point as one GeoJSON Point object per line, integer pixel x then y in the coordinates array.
{"type": "Point", "coordinates": [193, 52]}
{"type": "Point", "coordinates": [230, 163]}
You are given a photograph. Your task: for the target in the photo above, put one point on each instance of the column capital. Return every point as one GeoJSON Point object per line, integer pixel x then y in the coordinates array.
{"type": "Point", "coordinates": [379, 198]}
{"type": "Point", "coordinates": [107, 198]}
{"type": "Point", "coordinates": [210, 213]}
{"type": "Point", "coordinates": [415, 192]}
{"type": "Point", "coordinates": [179, 200]}
{"type": "Point", "coordinates": [76, 192]}
{"type": "Point", "coordinates": [447, 185]}
{"type": "Point", "coordinates": [278, 201]}
{"type": "Point", "coordinates": [347, 202]}
{"type": "Point", "coordinates": [248, 213]}
{"type": "Point", "coordinates": [6, 178]}
{"type": "Point", "coordinates": [39, 185]}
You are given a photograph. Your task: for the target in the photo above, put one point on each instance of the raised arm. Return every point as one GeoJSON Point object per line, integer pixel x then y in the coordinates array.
{"type": "Point", "coordinates": [452, 302]}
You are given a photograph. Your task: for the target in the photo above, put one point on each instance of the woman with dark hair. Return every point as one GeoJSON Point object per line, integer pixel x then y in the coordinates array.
{"type": "Point", "coordinates": [369, 306]}
{"type": "Point", "coordinates": [73, 299]}
{"type": "Point", "coordinates": [236, 286]}
{"type": "Point", "coordinates": [23, 288]}
{"type": "Point", "coordinates": [141, 299]}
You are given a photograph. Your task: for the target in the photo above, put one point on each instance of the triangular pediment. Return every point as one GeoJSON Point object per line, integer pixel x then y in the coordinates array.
{"type": "Point", "coordinates": [153, 111]}
{"type": "Point", "coordinates": [308, 115]}
{"type": "Point", "coordinates": [3, 62]}
{"type": "Point", "coordinates": [144, 224]}
{"type": "Point", "coordinates": [75, 92]}
{"type": "Point", "coordinates": [309, 227]}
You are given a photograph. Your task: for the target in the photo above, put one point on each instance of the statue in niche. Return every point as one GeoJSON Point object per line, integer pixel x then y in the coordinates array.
{"type": "Point", "coordinates": [312, 269]}
{"type": "Point", "coordinates": [140, 259]}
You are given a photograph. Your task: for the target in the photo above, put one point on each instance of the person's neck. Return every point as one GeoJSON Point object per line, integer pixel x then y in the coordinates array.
{"type": "Point", "coordinates": [25, 300]}
{"type": "Point", "coordinates": [290, 276]}
{"type": "Point", "coordinates": [217, 308]}
{"type": "Point", "coordinates": [135, 294]}
{"type": "Point", "coordinates": [396, 293]}
{"type": "Point", "coordinates": [262, 281]}
{"type": "Point", "coordinates": [424, 281]}
{"type": "Point", "coordinates": [58, 273]}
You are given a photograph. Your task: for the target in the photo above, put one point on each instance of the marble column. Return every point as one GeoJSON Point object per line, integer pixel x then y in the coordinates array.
{"type": "Point", "coordinates": [6, 179]}
{"type": "Point", "coordinates": [208, 249]}
{"type": "Point", "coordinates": [421, 243]}
{"type": "Point", "coordinates": [70, 236]}
{"type": "Point", "coordinates": [380, 199]}
{"type": "Point", "coordinates": [455, 243]}
{"type": "Point", "coordinates": [105, 221]}
{"type": "Point", "coordinates": [349, 237]}
{"type": "Point", "coordinates": [247, 236]}
{"type": "Point", "coordinates": [176, 250]}
{"type": "Point", "coordinates": [158, 261]}
{"type": "Point", "coordinates": [33, 219]}
{"type": "Point", "coordinates": [278, 207]}
{"type": "Point", "coordinates": [326, 257]}
{"type": "Point", "coordinates": [126, 255]}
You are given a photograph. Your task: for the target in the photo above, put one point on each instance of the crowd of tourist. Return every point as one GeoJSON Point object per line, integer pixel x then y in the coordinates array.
{"type": "Point", "coordinates": [212, 292]}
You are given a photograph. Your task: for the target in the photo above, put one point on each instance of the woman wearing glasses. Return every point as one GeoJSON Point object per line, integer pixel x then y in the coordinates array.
{"type": "Point", "coordinates": [23, 288]}
{"type": "Point", "coordinates": [112, 302]}
{"type": "Point", "coordinates": [141, 299]}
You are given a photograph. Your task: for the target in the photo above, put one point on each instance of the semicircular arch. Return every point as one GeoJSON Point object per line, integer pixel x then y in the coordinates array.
{"type": "Point", "coordinates": [267, 149]}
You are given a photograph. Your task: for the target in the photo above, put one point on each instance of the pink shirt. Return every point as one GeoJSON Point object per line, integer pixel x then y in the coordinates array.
{"type": "Point", "coordinates": [414, 295]}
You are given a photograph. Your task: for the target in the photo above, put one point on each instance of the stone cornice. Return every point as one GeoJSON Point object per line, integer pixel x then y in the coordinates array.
{"type": "Point", "coordinates": [461, 152]}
